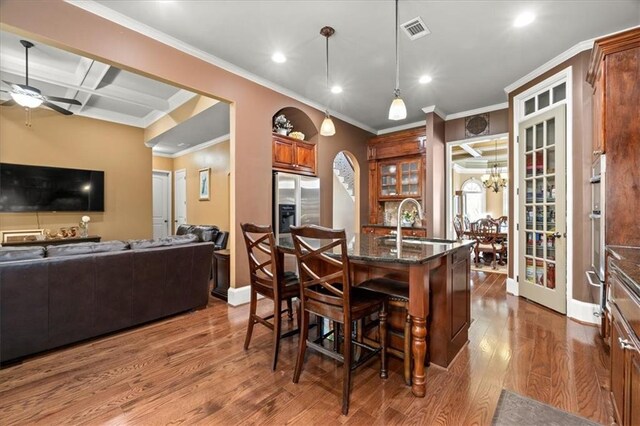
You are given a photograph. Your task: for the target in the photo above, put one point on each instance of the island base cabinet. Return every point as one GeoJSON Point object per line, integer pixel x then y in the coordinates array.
{"type": "Point", "coordinates": [617, 369]}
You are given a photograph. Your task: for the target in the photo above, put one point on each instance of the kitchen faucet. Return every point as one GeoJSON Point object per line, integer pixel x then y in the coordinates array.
{"type": "Point", "coordinates": [399, 229]}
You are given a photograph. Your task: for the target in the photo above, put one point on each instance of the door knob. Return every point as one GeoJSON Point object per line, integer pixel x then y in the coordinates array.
{"type": "Point", "coordinates": [556, 235]}
{"type": "Point", "coordinates": [166, 221]}
{"type": "Point", "coordinates": [625, 344]}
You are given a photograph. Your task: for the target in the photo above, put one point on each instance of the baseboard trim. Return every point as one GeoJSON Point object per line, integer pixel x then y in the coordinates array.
{"type": "Point", "coordinates": [239, 296]}
{"type": "Point", "coordinates": [512, 287]}
{"type": "Point", "coordinates": [583, 311]}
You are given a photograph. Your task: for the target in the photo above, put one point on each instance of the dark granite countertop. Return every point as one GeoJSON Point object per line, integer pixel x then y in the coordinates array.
{"type": "Point", "coordinates": [372, 248]}
{"type": "Point", "coordinates": [379, 225]}
{"type": "Point", "coordinates": [627, 261]}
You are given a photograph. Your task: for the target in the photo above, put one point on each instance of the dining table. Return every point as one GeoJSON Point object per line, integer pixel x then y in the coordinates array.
{"type": "Point", "coordinates": [437, 274]}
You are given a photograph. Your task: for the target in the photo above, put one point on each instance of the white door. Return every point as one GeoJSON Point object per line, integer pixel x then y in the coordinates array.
{"type": "Point", "coordinates": [180, 198]}
{"type": "Point", "coordinates": [542, 209]}
{"type": "Point", "coordinates": [161, 204]}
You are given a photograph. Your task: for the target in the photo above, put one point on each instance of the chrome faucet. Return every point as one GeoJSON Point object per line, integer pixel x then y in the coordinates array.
{"type": "Point", "coordinates": [399, 229]}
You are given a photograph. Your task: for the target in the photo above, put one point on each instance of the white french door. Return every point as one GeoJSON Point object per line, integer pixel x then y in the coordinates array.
{"type": "Point", "coordinates": [161, 204]}
{"type": "Point", "coordinates": [542, 209]}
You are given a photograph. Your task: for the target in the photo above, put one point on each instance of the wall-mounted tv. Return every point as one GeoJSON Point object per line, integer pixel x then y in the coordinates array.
{"type": "Point", "coordinates": [25, 188]}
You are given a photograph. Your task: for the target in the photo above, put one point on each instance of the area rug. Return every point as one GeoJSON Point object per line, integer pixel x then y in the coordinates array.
{"type": "Point", "coordinates": [514, 409]}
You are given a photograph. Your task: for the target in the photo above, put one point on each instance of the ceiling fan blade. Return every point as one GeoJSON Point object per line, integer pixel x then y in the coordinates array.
{"type": "Point", "coordinates": [63, 100]}
{"type": "Point", "coordinates": [57, 108]}
{"type": "Point", "coordinates": [10, 102]}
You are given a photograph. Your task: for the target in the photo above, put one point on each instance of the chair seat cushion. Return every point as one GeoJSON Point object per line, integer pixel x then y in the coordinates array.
{"type": "Point", "coordinates": [386, 286]}
{"type": "Point", "coordinates": [489, 247]}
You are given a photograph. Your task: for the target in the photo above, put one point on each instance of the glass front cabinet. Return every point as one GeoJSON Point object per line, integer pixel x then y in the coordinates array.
{"type": "Point", "coordinates": [400, 178]}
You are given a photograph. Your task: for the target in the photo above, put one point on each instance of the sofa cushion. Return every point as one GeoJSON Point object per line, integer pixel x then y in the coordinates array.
{"type": "Point", "coordinates": [203, 232]}
{"type": "Point", "coordinates": [144, 244]}
{"type": "Point", "coordinates": [176, 240]}
{"type": "Point", "coordinates": [9, 254]}
{"type": "Point", "coordinates": [85, 248]}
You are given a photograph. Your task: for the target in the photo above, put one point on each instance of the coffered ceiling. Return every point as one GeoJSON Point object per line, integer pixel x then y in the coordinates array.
{"type": "Point", "coordinates": [472, 53]}
{"type": "Point", "coordinates": [108, 93]}
{"type": "Point", "coordinates": [480, 155]}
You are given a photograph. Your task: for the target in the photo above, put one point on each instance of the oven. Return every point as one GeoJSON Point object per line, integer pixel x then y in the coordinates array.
{"type": "Point", "coordinates": [596, 276]}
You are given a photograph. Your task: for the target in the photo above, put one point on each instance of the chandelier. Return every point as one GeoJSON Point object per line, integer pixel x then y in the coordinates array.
{"type": "Point", "coordinates": [495, 180]}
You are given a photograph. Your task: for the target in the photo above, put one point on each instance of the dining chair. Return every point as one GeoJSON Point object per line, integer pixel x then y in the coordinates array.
{"type": "Point", "coordinates": [266, 280]}
{"type": "Point", "coordinates": [485, 232]}
{"type": "Point", "coordinates": [457, 227]}
{"type": "Point", "coordinates": [326, 290]}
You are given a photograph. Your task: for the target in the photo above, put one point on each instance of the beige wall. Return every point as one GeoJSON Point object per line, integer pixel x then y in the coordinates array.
{"type": "Point", "coordinates": [434, 205]}
{"type": "Point", "coordinates": [498, 123]}
{"type": "Point", "coordinates": [84, 143]}
{"type": "Point", "coordinates": [252, 106]}
{"type": "Point", "coordinates": [214, 211]}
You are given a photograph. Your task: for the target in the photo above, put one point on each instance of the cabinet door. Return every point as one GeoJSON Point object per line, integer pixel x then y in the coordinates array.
{"type": "Point", "coordinates": [617, 367]}
{"type": "Point", "coordinates": [634, 387]}
{"type": "Point", "coordinates": [283, 153]}
{"type": "Point", "coordinates": [388, 173]}
{"type": "Point", "coordinates": [305, 157]}
{"type": "Point", "coordinates": [409, 174]}
{"type": "Point", "coordinates": [598, 112]}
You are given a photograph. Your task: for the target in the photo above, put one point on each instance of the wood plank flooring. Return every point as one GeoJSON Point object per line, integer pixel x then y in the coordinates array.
{"type": "Point", "coordinates": [192, 369]}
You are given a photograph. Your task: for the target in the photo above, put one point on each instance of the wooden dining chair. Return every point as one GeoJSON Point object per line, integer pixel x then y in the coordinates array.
{"type": "Point", "coordinates": [457, 227]}
{"type": "Point", "coordinates": [326, 290]}
{"type": "Point", "coordinates": [485, 232]}
{"type": "Point", "coordinates": [266, 280]}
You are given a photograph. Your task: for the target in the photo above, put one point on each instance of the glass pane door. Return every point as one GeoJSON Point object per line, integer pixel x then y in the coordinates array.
{"type": "Point", "coordinates": [410, 171]}
{"type": "Point", "coordinates": [542, 209]}
{"type": "Point", "coordinates": [388, 174]}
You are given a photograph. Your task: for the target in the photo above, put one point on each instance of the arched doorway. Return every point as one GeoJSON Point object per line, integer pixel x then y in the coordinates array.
{"type": "Point", "coordinates": [346, 196]}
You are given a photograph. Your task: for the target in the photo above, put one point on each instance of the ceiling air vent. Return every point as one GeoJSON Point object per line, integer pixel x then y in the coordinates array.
{"type": "Point", "coordinates": [415, 28]}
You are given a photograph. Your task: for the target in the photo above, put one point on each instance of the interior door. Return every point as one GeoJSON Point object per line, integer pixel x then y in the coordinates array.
{"type": "Point", "coordinates": [542, 209]}
{"type": "Point", "coordinates": [180, 198]}
{"type": "Point", "coordinates": [161, 204]}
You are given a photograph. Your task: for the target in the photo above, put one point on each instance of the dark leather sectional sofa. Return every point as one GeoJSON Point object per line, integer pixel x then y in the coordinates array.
{"type": "Point", "coordinates": [68, 293]}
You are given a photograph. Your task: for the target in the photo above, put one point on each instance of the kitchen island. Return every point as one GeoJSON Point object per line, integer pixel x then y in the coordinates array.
{"type": "Point", "coordinates": [437, 273]}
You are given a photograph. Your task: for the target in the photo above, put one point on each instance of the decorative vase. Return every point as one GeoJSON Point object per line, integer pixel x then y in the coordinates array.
{"type": "Point", "coordinates": [84, 230]}
{"type": "Point", "coordinates": [282, 131]}
{"type": "Point", "coordinates": [406, 223]}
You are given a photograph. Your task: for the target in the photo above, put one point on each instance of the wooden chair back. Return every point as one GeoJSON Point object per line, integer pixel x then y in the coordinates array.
{"type": "Point", "coordinates": [457, 226]}
{"type": "Point", "coordinates": [260, 244]}
{"type": "Point", "coordinates": [467, 223]}
{"type": "Point", "coordinates": [325, 284]}
{"type": "Point", "coordinates": [484, 231]}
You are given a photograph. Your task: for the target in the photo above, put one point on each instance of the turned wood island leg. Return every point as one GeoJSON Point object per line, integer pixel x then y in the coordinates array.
{"type": "Point", "coordinates": [419, 351]}
{"type": "Point", "coordinates": [419, 311]}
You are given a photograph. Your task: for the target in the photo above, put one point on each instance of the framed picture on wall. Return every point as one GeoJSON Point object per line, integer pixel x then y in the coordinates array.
{"type": "Point", "coordinates": [21, 236]}
{"type": "Point", "coordinates": [203, 184]}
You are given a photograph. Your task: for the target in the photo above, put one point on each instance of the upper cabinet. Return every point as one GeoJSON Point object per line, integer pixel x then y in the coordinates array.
{"type": "Point", "coordinates": [294, 155]}
{"type": "Point", "coordinates": [396, 170]}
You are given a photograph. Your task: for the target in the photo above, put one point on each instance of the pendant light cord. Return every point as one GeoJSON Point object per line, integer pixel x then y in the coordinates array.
{"type": "Point", "coordinates": [327, 50]}
{"type": "Point", "coordinates": [397, 91]}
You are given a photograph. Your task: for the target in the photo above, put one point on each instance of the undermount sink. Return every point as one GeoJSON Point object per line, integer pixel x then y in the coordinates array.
{"type": "Point", "coordinates": [416, 241]}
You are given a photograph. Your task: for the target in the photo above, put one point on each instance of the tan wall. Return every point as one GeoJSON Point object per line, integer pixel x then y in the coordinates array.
{"type": "Point", "coordinates": [252, 106]}
{"type": "Point", "coordinates": [214, 211]}
{"type": "Point", "coordinates": [498, 123]}
{"type": "Point", "coordinates": [434, 207]}
{"type": "Point", "coordinates": [581, 152]}
{"type": "Point", "coordinates": [162, 163]}
{"type": "Point", "coordinates": [494, 200]}
{"type": "Point", "coordinates": [85, 143]}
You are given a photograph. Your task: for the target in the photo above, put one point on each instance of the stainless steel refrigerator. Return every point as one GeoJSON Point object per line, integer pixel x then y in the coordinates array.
{"type": "Point", "coordinates": [296, 201]}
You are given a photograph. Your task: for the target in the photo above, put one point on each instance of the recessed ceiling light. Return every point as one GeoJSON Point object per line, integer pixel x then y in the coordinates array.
{"type": "Point", "coordinates": [425, 79]}
{"type": "Point", "coordinates": [336, 89]}
{"type": "Point", "coordinates": [279, 58]}
{"type": "Point", "coordinates": [524, 19]}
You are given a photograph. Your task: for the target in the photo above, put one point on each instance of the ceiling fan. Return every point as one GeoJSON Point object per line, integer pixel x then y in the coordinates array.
{"type": "Point", "coordinates": [31, 97]}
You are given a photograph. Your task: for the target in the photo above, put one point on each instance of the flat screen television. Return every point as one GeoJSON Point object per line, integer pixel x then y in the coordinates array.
{"type": "Point", "coordinates": [25, 188]}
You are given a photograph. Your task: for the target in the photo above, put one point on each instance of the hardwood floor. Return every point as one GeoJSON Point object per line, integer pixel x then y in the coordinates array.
{"type": "Point", "coordinates": [192, 369]}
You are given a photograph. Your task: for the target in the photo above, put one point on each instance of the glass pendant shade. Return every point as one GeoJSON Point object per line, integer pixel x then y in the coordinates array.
{"type": "Point", "coordinates": [397, 111]}
{"type": "Point", "coordinates": [327, 128]}
{"type": "Point", "coordinates": [27, 101]}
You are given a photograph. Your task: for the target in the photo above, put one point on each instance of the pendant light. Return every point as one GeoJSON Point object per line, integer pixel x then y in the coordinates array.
{"type": "Point", "coordinates": [495, 180]}
{"type": "Point", "coordinates": [397, 111]}
{"type": "Point", "coordinates": [327, 128]}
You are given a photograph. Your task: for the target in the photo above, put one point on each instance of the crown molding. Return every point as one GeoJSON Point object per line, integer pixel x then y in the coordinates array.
{"type": "Point", "coordinates": [402, 127]}
{"type": "Point", "coordinates": [194, 148]}
{"type": "Point", "coordinates": [435, 110]}
{"type": "Point", "coordinates": [477, 111]}
{"type": "Point", "coordinates": [122, 20]}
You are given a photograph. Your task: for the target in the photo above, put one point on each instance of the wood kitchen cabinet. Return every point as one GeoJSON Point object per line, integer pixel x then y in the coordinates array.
{"type": "Point", "coordinates": [294, 155]}
{"type": "Point", "coordinates": [625, 339]}
{"type": "Point", "coordinates": [386, 230]}
{"type": "Point", "coordinates": [396, 169]}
